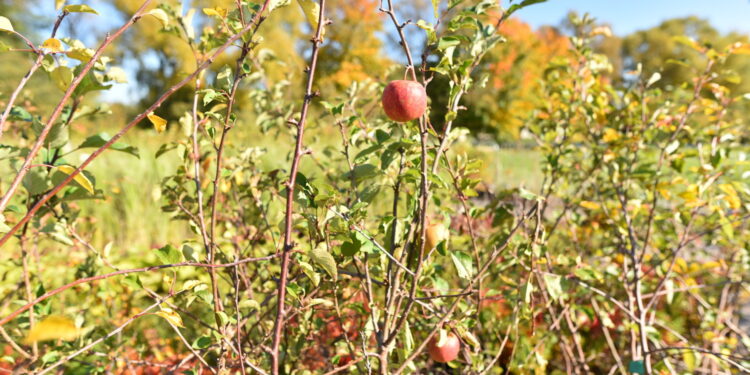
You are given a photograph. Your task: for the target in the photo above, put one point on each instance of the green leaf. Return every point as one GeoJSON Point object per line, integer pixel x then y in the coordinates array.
{"type": "Point", "coordinates": [408, 339]}
{"type": "Point", "coordinates": [202, 342]}
{"type": "Point", "coordinates": [89, 83]}
{"type": "Point", "coordinates": [250, 304]}
{"type": "Point", "coordinates": [350, 248]}
{"type": "Point", "coordinates": [62, 76]}
{"type": "Point", "coordinates": [464, 264]}
{"type": "Point", "coordinates": [554, 287]}
{"type": "Point", "coordinates": [528, 289]}
{"type": "Point", "coordinates": [133, 281]}
{"type": "Point", "coordinates": [516, 7]}
{"type": "Point", "coordinates": [99, 140]}
{"type": "Point", "coordinates": [36, 182]}
{"type": "Point", "coordinates": [5, 24]}
{"type": "Point", "coordinates": [79, 8]}
{"type": "Point", "coordinates": [169, 255]}
{"type": "Point", "coordinates": [362, 172]}
{"type": "Point", "coordinates": [211, 95]}
{"type": "Point", "coordinates": [224, 78]}
{"type": "Point", "coordinates": [448, 41]}
{"type": "Point", "coordinates": [324, 259]}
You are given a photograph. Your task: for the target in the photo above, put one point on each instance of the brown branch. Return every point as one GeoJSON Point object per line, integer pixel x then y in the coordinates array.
{"type": "Point", "coordinates": [495, 254]}
{"type": "Point", "coordinates": [65, 287]}
{"type": "Point", "coordinates": [423, 195]}
{"type": "Point", "coordinates": [288, 244]}
{"type": "Point", "coordinates": [99, 340]}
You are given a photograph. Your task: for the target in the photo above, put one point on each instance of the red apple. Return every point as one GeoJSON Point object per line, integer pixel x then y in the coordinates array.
{"type": "Point", "coordinates": [404, 100]}
{"type": "Point", "coordinates": [446, 352]}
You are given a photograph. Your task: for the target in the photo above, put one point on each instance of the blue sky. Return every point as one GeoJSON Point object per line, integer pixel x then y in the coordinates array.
{"type": "Point", "coordinates": [626, 16]}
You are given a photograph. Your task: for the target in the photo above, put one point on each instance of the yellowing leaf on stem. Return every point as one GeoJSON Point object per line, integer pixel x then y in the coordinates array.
{"type": "Point", "coordinates": [217, 12]}
{"type": "Point", "coordinates": [5, 24]}
{"type": "Point", "coordinates": [277, 4]}
{"type": "Point", "coordinates": [52, 45]}
{"type": "Point", "coordinates": [53, 327]}
{"type": "Point", "coordinates": [610, 135]}
{"type": "Point", "coordinates": [731, 196]}
{"type": "Point", "coordinates": [159, 15]}
{"type": "Point", "coordinates": [680, 265]}
{"type": "Point", "coordinates": [159, 123]}
{"type": "Point", "coordinates": [590, 205]}
{"type": "Point", "coordinates": [62, 76]}
{"type": "Point", "coordinates": [312, 11]}
{"type": "Point", "coordinates": [324, 259]}
{"type": "Point", "coordinates": [80, 8]}
{"type": "Point", "coordinates": [81, 54]}
{"type": "Point", "coordinates": [171, 316]}
{"type": "Point", "coordinates": [79, 178]}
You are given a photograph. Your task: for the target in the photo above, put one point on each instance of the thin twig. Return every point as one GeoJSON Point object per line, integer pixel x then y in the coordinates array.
{"type": "Point", "coordinates": [288, 244]}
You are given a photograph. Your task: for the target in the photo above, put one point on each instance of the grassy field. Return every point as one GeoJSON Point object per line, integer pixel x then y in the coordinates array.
{"type": "Point", "coordinates": [131, 216]}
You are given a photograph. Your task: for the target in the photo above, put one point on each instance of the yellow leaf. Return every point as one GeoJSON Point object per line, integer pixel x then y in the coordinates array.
{"type": "Point", "coordinates": [52, 45]}
{"type": "Point", "coordinates": [731, 195]}
{"type": "Point", "coordinates": [680, 265]}
{"type": "Point", "coordinates": [79, 178]}
{"type": "Point", "coordinates": [159, 123]}
{"type": "Point", "coordinates": [711, 265]}
{"type": "Point", "coordinates": [80, 8]}
{"type": "Point", "coordinates": [52, 328]}
{"type": "Point", "coordinates": [171, 316]}
{"type": "Point", "coordinates": [590, 205]}
{"type": "Point", "coordinates": [218, 12]}
{"type": "Point", "coordinates": [160, 15]}
{"type": "Point", "coordinates": [610, 135]}
{"type": "Point", "coordinates": [312, 11]}
{"type": "Point", "coordinates": [59, 4]}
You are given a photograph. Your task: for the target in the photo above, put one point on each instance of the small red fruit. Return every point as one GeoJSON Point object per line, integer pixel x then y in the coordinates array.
{"type": "Point", "coordinates": [404, 100]}
{"type": "Point", "coordinates": [446, 352]}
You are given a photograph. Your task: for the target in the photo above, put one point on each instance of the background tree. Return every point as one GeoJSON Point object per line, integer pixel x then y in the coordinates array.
{"type": "Point", "coordinates": [666, 49]}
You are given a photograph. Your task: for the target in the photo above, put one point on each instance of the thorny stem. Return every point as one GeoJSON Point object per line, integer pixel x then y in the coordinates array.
{"type": "Point", "coordinates": [288, 244]}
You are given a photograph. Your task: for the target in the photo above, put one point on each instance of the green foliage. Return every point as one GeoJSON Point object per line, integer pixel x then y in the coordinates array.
{"type": "Point", "coordinates": [629, 241]}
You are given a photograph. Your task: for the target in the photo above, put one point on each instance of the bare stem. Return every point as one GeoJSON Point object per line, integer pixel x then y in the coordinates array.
{"type": "Point", "coordinates": [288, 244]}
